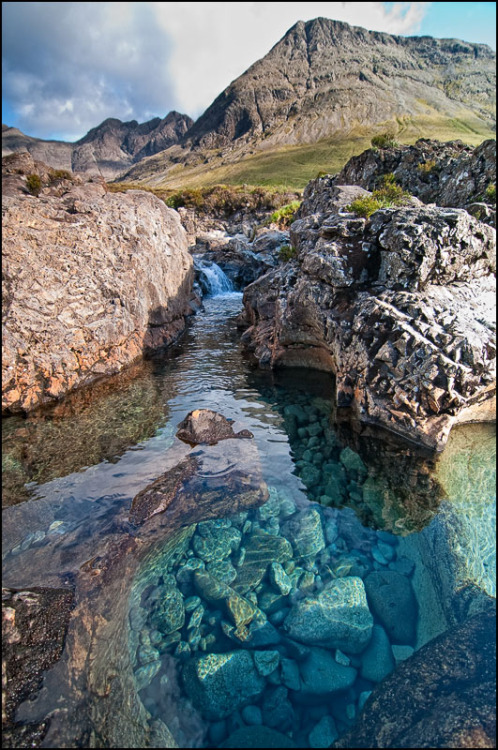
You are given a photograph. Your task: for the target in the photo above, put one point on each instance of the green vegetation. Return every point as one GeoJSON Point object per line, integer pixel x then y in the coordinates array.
{"type": "Point", "coordinates": [491, 194]}
{"type": "Point", "coordinates": [426, 167]}
{"type": "Point", "coordinates": [286, 253]}
{"type": "Point", "coordinates": [284, 215]}
{"type": "Point", "coordinates": [388, 195]}
{"type": "Point", "coordinates": [59, 174]}
{"type": "Point", "coordinates": [384, 140]}
{"type": "Point", "coordinates": [34, 184]}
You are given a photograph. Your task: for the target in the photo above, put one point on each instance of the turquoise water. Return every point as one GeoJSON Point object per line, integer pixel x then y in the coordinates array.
{"type": "Point", "coordinates": [220, 635]}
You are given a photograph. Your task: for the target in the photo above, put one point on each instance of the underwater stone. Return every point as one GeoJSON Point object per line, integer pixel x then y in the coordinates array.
{"type": "Point", "coordinates": [377, 661]}
{"type": "Point", "coordinates": [314, 429]}
{"type": "Point", "coordinates": [321, 674]}
{"type": "Point", "coordinates": [144, 675]}
{"type": "Point", "coordinates": [272, 506]}
{"type": "Point", "coordinates": [270, 602]}
{"type": "Point", "coordinates": [391, 597]}
{"type": "Point", "coordinates": [279, 578]}
{"type": "Point", "coordinates": [191, 603]}
{"type": "Point", "coordinates": [214, 543]}
{"type": "Point", "coordinates": [169, 614]}
{"type": "Point", "coordinates": [296, 650]}
{"type": "Point", "coordinates": [324, 733]}
{"type": "Point", "coordinates": [304, 530]}
{"type": "Point", "coordinates": [338, 616]}
{"type": "Point", "coordinates": [185, 573]}
{"type": "Point", "coordinates": [219, 684]}
{"type": "Point", "coordinates": [335, 489]}
{"type": "Point", "coordinates": [262, 634]}
{"type": "Point", "coordinates": [277, 709]}
{"type": "Point", "coordinates": [138, 617]}
{"type": "Point", "coordinates": [378, 556]}
{"type": "Point", "coordinates": [330, 528]}
{"type": "Point", "coordinates": [403, 565]}
{"type": "Point", "coordinates": [386, 550]}
{"type": "Point", "coordinates": [401, 653]}
{"type": "Point", "coordinates": [261, 550]}
{"type": "Point", "coordinates": [290, 674]}
{"type": "Point", "coordinates": [296, 411]}
{"type": "Point", "coordinates": [147, 654]}
{"type": "Point", "coordinates": [170, 639]}
{"type": "Point", "coordinates": [310, 475]}
{"type": "Point", "coordinates": [183, 650]}
{"type": "Point", "coordinates": [342, 658]}
{"type": "Point", "coordinates": [278, 617]}
{"type": "Point", "coordinates": [223, 570]}
{"type": "Point", "coordinates": [266, 661]}
{"type": "Point", "coordinates": [217, 732]}
{"type": "Point", "coordinates": [257, 737]}
{"type": "Point", "coordinates": [362, 699]}
{"type": "Point", "coordinates": [155, 637]}
{"type": "Point", "coordinates": [352, 462]}
{"type": "Point", "coordinates": [196, 617]}
{"type": "Point", "coordinates": [240, 610]}
{"type": "Point", "coordinates": [252, 715]}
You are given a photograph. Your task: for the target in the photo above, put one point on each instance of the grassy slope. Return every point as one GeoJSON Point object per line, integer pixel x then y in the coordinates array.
{"type": "Point", "coordinates": [291, 167]}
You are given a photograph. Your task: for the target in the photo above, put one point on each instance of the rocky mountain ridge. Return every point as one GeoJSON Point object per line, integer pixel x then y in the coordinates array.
{"type": "Point", "coordinates": [326, 78]}
{"type": "Point", "coordinates": [109, 148]}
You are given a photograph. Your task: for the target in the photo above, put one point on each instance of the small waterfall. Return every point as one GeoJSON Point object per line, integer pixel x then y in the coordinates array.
{"type": "Point", "coordinates": [211, 278]}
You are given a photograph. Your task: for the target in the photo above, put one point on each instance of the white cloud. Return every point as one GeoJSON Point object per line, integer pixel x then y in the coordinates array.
{"type": "Point", "coordinates": [68, 66]}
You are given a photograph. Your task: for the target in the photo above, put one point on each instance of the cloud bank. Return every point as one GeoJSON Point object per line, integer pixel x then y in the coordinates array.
{"type": "Point", "coordinates": [68, 66]}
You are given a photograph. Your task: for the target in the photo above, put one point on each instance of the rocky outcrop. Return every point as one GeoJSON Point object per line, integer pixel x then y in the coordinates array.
{"type": "Point", "coordinates": [398, 306]}
{"type": "Point", "coordinates": [448, 174]}
{"type": "Point", "coordinates": [108, 149]}
{"type": "Point", "coordinates": [91, 281]}
{"type": "Point", "coordinates": [451, 697]}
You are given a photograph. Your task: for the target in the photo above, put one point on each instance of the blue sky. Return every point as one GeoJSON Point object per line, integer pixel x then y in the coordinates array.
{"type": "Point", "coordinates": [68, 66]}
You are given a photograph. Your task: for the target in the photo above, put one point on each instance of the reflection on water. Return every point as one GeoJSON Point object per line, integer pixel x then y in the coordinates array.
{"type": "Point", "coordinates": [229, 607]}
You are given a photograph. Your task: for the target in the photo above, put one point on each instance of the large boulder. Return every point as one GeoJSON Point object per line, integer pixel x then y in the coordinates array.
{"type": "Point", "coordinates": [219, 684]}
{"type": "Point", "coordinates": [400, 307]}
{"type": "Point", "coordinates": [442, 696]}
{"type": "Point", "coordinates": [337, 617]}
{"type": "Point", "coordinates": [91, 281]}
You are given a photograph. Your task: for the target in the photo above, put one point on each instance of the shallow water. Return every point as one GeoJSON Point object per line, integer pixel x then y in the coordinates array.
{"type": "Point", "coordinates": [341, 501]}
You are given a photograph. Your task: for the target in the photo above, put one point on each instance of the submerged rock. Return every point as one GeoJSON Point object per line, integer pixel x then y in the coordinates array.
{"type": "Point", "coordinates": [206, 426]}
{"type": "Point", "coordinates": [304, 530]}
{"type": "Point", "coordinates": [257, 737]}
{"type": "Point", "coordinates": [337, 617]}
{"type": "Point", "coordinates": [219, 684]}
{"type": "Point", "coordinates": [391, 597]}
{"type": "Point", "coordinates": [321, 674]}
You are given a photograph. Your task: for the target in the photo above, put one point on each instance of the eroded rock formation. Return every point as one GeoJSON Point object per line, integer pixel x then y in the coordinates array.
{"type": "Point", "coordinates": [91, 280]}
{"type": "Point", "coordinates": [399, 306]}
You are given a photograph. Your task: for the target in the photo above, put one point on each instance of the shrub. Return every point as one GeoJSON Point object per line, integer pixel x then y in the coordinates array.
{"type": "Point", "coordinates": [285, 215]}
{"type": "Point", "coordinates": [286, 253]}
{"type": "Point", "coordinates": [384, 140]}
{"type": "Point", "coordinates": [388, 195]}
{"type": "Point", "coordinates": [34, 184]}
{"type": "Point", "coordinates": [490, 194]}
{"type": "Point", "coordinates": [59, 174]}
{"type": "Point", "coordinates": [426, 167]}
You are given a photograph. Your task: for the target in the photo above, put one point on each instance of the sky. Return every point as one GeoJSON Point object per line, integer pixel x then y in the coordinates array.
{"type": "Point", "coordinates": [66, 67]}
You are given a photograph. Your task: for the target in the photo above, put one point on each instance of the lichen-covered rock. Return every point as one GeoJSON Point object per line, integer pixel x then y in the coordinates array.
{"type": "Point", "coordinates": [337, 617]}
{"type": "Point", "coordinates": [219, 684]}
{"type": "Point", "coordinates": [111, 276]}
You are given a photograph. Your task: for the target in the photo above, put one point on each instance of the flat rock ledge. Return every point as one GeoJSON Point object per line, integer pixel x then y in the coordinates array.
{"type": "Point", "coordinates": [91, 280]}
{"type": "Point", "coordinates": [400, 307]}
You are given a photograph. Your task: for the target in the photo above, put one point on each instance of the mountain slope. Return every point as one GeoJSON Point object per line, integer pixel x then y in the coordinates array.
{"type": "Point", "coordinates": [327, 79]}
{"type": "Point", "coordinates": [110, 148]}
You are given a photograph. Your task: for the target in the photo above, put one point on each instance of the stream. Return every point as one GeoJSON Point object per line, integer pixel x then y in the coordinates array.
{"type": "Point", "coordinates": [217, 637]}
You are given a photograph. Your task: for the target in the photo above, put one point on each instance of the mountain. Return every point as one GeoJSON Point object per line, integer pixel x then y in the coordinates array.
{"type": "Point", "coordinates": [110, 148]}
{"type": "Point", "coordinates": [326, 79]}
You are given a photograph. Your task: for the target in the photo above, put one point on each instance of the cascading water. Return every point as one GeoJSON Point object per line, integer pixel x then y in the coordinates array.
{"type": "Point", "coordinates": [212, 279]}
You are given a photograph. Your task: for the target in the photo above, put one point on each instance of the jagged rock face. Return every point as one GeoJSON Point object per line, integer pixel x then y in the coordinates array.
{"type": "Point", "coordinates": [400, 307]}
{"type": "Point", "coordinates": [300, 90]}
{"type": "Point", "coordinates": [110, 148]}
{"type": "Point", "coordinates": [448, 174]}
{"type": "Point", "coordinates": [91, 280]}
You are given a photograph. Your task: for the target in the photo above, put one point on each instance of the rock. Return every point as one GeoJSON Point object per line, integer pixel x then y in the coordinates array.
{"type": "Point", "coordinates": [207, 426]}
{"type": "Point", "coordinates": [279, 579]}
{"type": "Point", "coordinates": [239, 609]}
{"type": "Point", "coordinates": [451, 700]}
{"type": "Point", "coordinates": [112, 277]}
{"type": "Point", "coordinates": [252, 715]}
{"type": "Point", "coordinates": [223, 570]}
{"type": "Point", "coordinates": [401, 653]}
{"type": "Point", "coordinates": [392, 600]}
{"type": "Point", "coordinates": [324, 733]}
{"type": "Point", "coordinates": [266, 661]}
{"type": "Point", "coordinates": [219, 684]}
{"type": "Point", "coordinates": [261, 550]}
{"type": "Point", "coordinates": [169, 613]}
{"type": "Point", "coordinates": [412, 343]}
{"type": "Point", "coordinates": [290, 674]}
{"type": "Point", "coordinates": [213, 544]}
{"type": "Point", "coordinates": [158, 495]}
{"type": "Point", "coordinates": [304, 530]}
{"type": "Point", "coordinates": [257, 737]}
{"type": "Point", "coordinates": [337, 617]}
{"type": "Point", "coordinates": [377, 661]}
{"type": "Point", "coordinates": [277, 709]}
{"type": "Point", "coordinates": [144, 675]}
{"type": "Point", "coordinates": [321, 674]}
